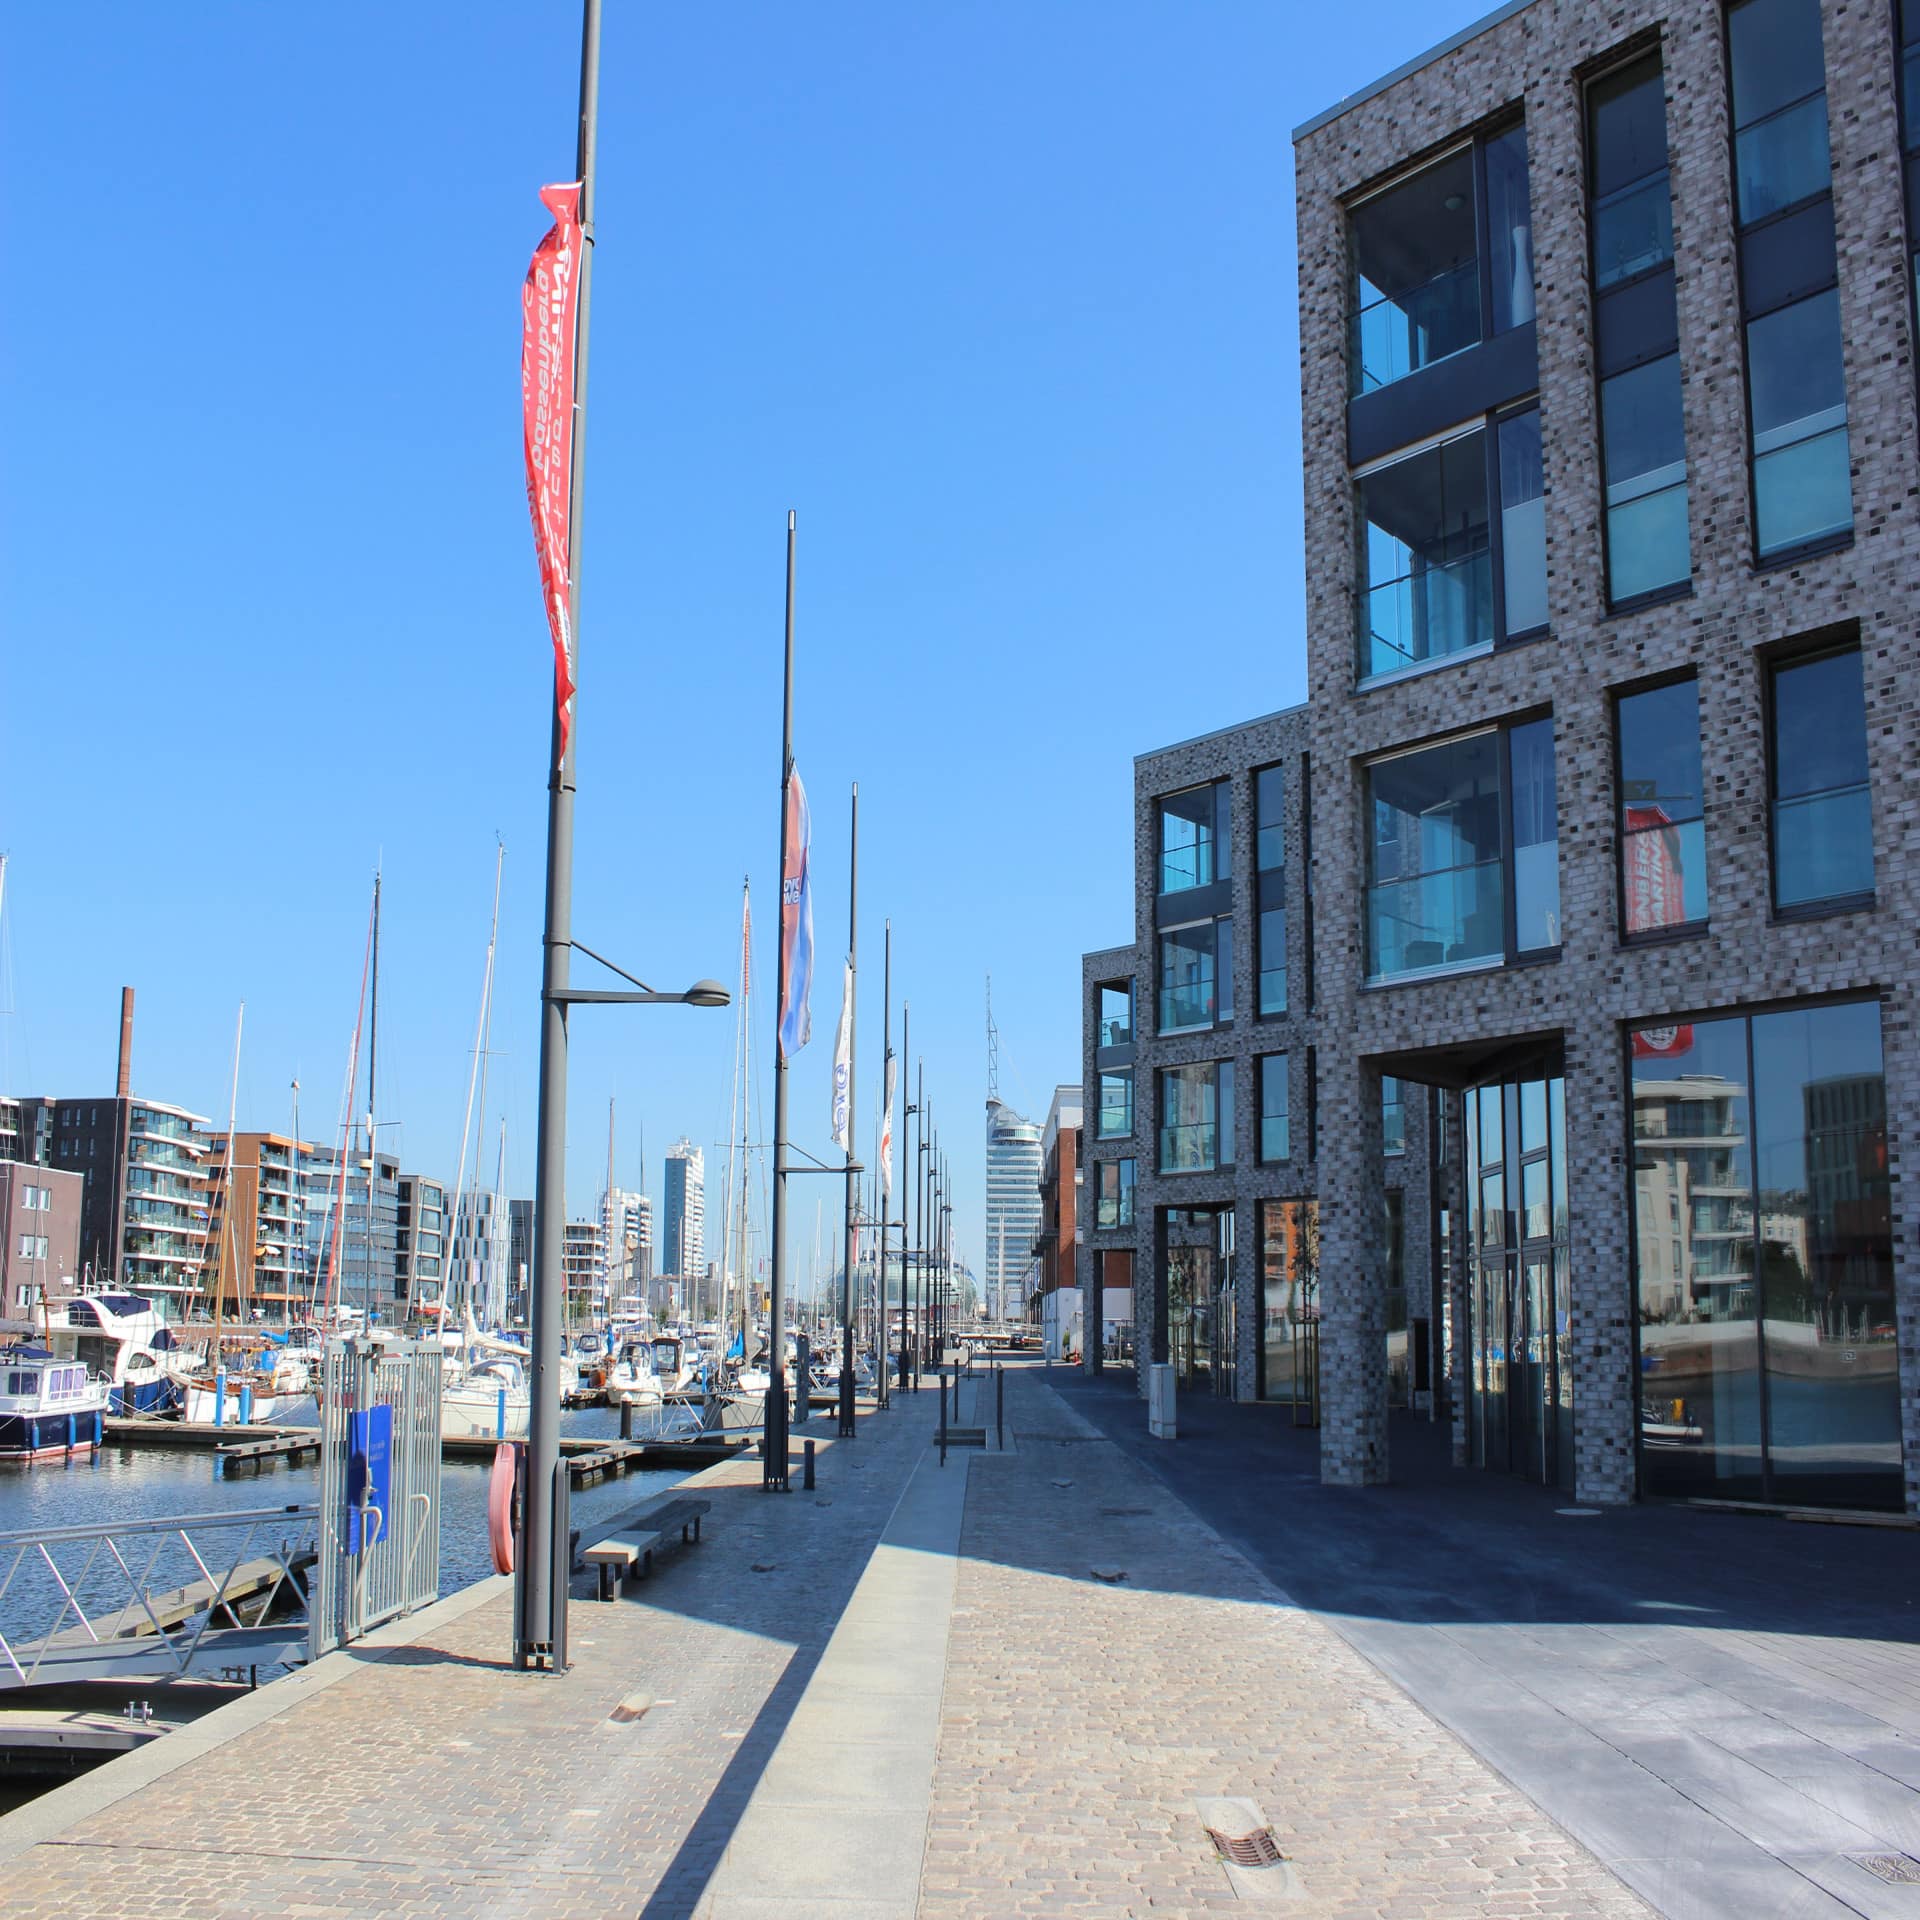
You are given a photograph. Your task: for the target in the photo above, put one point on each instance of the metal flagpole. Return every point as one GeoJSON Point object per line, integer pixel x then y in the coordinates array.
{"type": "Point", "coordinates": [540, 1593]}
{"type": "Point", "coordinates": [774, 1477]}
{"type": "Point", "coordinates": [907, 1111]}
{"type": "Point", "coordinates": [884, 1173]}
{"type": "Point", "coordinates": [852, 1235]}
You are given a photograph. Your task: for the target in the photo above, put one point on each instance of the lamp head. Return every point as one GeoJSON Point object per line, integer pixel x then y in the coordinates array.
{"type": "Point", "coordinates": [706, 993]}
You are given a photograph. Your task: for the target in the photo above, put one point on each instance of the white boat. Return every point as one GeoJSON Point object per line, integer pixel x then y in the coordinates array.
{"type": "Point", "coordinates": [120, 1337]}
{"type": "Point", "coordinates": [489, 1400]}
{"type": "Point", "coordinates": [678, 1364]}
{"type": "Point", "coordinates": [48, 1407]}
{"type": "Point", "coordinates": [631, 1380]}
{"type": "Point", "coordinates": [250, 1397]}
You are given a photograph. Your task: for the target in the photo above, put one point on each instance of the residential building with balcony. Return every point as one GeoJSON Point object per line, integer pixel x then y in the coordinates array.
{"type": "Point", "coordinates": [420, 1239]}
{"type": "Point", "coordinates": [1055, 1245]}
{"type": "Point", "coordinates": [260, 1256]}
{"type": "Point", "coordinates": [39, 1240]}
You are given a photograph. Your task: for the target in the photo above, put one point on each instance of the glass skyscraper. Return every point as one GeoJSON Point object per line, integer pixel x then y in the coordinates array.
{"type": "Point", "coordinates": [1013, 1202]}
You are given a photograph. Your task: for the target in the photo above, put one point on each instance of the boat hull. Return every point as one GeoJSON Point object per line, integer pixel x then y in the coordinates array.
{"type": "Point", "coordinates": [48, 1436]}
{"type": "Point", "coordinates": [484, 1416]}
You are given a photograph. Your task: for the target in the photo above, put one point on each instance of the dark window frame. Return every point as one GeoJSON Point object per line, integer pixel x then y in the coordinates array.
{"type": "Point", "coordinates": [1800, 651]}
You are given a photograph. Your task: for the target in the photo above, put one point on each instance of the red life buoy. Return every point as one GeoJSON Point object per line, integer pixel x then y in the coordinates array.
{"type": "Point", "coordinates": [500, 1507]}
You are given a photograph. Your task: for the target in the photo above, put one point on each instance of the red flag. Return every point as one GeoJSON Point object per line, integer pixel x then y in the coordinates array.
{"type": "Point", "coordinates": [548, 304]}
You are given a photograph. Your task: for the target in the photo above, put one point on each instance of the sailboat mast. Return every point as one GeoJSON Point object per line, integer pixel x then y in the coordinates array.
{"type": "Point", "coordinates": [606, 1223]}
{"type": "Point", "coordinates": [746, 1124]}
{"type": "Point", "coordinates": [226, 1194]}
{"type": "Point", "coordinates": [373, 1150]}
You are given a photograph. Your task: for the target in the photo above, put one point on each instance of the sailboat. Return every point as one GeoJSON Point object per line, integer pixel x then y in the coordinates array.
{"type": "Point", "coordinates": [222, 1394]}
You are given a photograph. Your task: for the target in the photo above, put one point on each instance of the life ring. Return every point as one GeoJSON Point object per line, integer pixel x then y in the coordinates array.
{"type": "Point", "coordinates": [500, 1507]}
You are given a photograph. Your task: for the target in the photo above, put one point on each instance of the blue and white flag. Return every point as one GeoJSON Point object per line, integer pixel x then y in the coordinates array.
{"type": "Point", "coordinates": [843, 1067]}
{"type": "Point", "coordinates": [796, 924]}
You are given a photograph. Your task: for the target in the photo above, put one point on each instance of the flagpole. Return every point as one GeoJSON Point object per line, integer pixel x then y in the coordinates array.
{"type": "Point", "coordinates": [884, 1173]}
{"type": "Point", "coordinates": [853, 979]}
{"type": "Point", "coordinates": [545, 1564]}
{"type": "Point", "coordinates": [907, 1111]}
{"type": "Point", "coordinates": [774, 1477]}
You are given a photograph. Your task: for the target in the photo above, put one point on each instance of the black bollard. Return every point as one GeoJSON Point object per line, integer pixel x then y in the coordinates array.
{"type": "Point", "coordinates": [1000, 1408]}
{"type": "Point", "coordinates": [806, 1471]}
{"type": "Point", "coordinates": [626, 1419]}
{"type": "Point", "coordinates": [943, 1418]}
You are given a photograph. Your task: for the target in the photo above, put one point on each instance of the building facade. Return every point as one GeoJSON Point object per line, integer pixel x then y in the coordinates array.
{"type": "Point", "coordinates": [1013, 1207]}
{"type": "Point", "coordinates": [420, 1240]}
{"type": "Point", "coordinates": [39, 1239]}
{"type": "Point", "coordinates": [480, 1264]}
{"type": "Point", "coordinates": [353, 1227]}
{"type": "Point", "coordinates": [1612, 467]}
{"type": "Point", "coordinates": [1203, 1146]}
{"type": "Point", "coordinates": [683, 1239]}
{"type": "Point", "coordinates": [584, 1264]}
{"type": "Point", "coordinates": [1055, 1246]}
{"type": "Point", "coordinates": [260, 1257]}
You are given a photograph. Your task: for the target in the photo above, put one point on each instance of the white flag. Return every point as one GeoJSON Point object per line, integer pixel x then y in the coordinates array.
{"type": "Point", "coordinates": [886, 1133]}
{"type": "Point", "coordinates": [843, 1066]}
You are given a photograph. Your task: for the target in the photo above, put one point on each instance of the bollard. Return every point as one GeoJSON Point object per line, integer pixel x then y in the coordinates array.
{"type": "Point", "coordinates": [626, 1419]}
{"type": "Point", "coordinates": [943, 1419]}
{"type": "Point", "coordinates": [219, 1396]}
{"type": "Point", "coordinates": [1000, 1408]}
{"type": "Point", "coordinates": [246, 1404]}
{"type": "Point", "coordinates": [806, 1470]}
{"type": "Point", "coordinates": [500, 1415]}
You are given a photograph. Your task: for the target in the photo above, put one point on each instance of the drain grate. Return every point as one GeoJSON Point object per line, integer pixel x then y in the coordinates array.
{"type": "Point", "coordinates": [1897, 1869]}
{"type": "Point", "coordinates": [1255, 1849]}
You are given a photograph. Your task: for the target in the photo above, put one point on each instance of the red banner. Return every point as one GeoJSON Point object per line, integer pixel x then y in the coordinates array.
{"type": "Point", "coordinates": [1655, 885]}
{"type": "Point", "coordinates": [547, 308]}
{"type": "Point", "coordinates": [1663, 1043]}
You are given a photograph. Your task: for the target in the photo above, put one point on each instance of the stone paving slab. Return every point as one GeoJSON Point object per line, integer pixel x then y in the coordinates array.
{"type": "Point", "coordinates": [1083, 1720]}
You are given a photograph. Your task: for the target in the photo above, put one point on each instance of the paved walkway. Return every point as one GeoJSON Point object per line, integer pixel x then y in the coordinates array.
{"type": "Point", "coordinates": [1724, 1707]}
{"type": "Point", "coordinates": [1006, 1686]}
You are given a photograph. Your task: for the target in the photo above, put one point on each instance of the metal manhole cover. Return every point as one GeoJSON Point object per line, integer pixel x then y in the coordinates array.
{"type": "Point", "coordinates": [1897, 1869]}
{"type": "Point", "coordinates": [1256, 1849]}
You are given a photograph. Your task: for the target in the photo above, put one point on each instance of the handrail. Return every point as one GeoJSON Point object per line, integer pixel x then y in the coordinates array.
{"type": "Point", "coordinates": [243, 1516]}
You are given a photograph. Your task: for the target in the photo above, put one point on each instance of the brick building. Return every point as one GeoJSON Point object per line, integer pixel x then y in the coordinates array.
{"type": "Point", "coordinates": [1055, 1245]}
{"type": "Point", "coordinates": [39, 1239]}
{"type": "Point", "coordinates": [1611, 464]}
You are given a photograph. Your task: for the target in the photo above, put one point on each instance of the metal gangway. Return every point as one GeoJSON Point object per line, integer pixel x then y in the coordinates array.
{"type": "Point", "coordinates": [230, 1594]}
{"type": "Point", "coordinates": [188, 1594]}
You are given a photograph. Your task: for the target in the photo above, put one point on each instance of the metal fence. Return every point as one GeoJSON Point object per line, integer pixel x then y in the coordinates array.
{"type": "Point", "coordinates": [202, 1593]}
{"type": "Point", "coordinates": [379, 1485]}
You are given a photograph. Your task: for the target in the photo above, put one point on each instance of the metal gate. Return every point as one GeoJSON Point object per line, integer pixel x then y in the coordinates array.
{"type": "Point", "coordinates": [379, 1547]}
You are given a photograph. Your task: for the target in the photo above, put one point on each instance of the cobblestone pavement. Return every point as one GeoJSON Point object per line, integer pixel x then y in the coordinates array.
{"type": "Point", "coordinates": [1082, 1719]}
{"type": "Point", "coordinates": [1078, 1720]}
{"type": "Point", "coordinates": [439, 1782]}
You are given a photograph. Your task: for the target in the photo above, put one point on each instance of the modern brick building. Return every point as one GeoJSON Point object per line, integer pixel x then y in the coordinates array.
{"type": "Point", "coordinates": [1056, 1244]}
{"type": "Point", "coordinates": [1612, 464]}
{"type": "Point", "coordinates": [1202, 1042]}
{"type": "Point", "coordinates": [39, 1239]}
{"type": "Point", "coordinates": [263, 1258]}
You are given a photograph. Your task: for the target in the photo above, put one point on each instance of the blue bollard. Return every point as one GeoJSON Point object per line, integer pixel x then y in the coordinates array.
{"type": "Point", "coordinates": [500, 1417]}
{"type": "Point", "coordinates": [246, 1404]}
{"type": "Point", "coordinates": [219, 1396]}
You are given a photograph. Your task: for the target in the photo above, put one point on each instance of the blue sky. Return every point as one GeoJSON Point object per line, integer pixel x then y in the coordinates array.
{"type": "Point", "coordinates": [1000, 298]}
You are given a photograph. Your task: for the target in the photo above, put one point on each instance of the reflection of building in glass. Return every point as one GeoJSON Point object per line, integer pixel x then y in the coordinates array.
{"type": "Point", "coordinates": [1695, 1202]}
{"type": "Point", "coordinates": [1849, 1200]}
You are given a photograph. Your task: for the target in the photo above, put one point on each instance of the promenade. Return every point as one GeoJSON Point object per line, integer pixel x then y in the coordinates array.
{"type": "Point", "coordinates": [1006, 1686]}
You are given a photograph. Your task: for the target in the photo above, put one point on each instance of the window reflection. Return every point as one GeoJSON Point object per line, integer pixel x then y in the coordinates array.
{"type": "Point", "coordinates": [1822, 809]}
{"type": "Point", "coordinates": [1663, 848]}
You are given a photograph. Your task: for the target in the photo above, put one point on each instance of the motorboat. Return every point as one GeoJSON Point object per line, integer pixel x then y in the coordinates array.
{"type": "Point", "coordinates": [123, 1339]}
{"type": "Point", "coordinates": [488, 1400]}
{"type": "Point", "coordinates": [679, 1365]}
{"type": "Point", "coordinates": [49, 1407]}
{"type": "Point", "coordinates": [631, 1380]}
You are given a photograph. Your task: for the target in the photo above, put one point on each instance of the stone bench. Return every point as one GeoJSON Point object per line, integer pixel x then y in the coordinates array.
{"type": "Point", "coordinates": [635, 1537]}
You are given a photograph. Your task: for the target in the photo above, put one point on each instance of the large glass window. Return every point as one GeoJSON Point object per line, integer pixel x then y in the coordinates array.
{"type": "Point", "coordinates": [1764, 1251]}
{"type": "Point", "coordinates": [1113, 1194]}
{"type": "Point", "coordinates": [1115, 1119]}
{"type": "Point", "coordinates": [1274, 1144]}
{"type": "Point", "coordinates": [1193, 838]}
{"type": "Point", "coordinates": [1643, 442]}
{"type": "Point", "coordinates": [1796, 383]}
{"type": "Point", "coordinates": [1272, 932]}
{"type": "Point", "coordinates": [1270, 820]}
{"type": "Point", "coordinates": [1822, 811]}
{"type": "Point", "coordinates": [1290, 1301]}
{"type": "Point", "coordinates": [1393, 1115]}
{"type": "Point", "coordinates": [1663, 843]}
{"type": "Point", "coordinates": [1196, 976]}
{"type": "Point", "coordinates": [1440, 882]}
{"type": "Point", "coordinates": [1196, 1117]}
{"type": "Point", "coordinates": [1430, 546]}
{"type": "Point", "coordinates": [1116, 1013]}
{"type": "Point", "coordinates": [1421, 276]}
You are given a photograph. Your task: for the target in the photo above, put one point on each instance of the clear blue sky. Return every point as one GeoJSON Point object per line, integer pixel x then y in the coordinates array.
{"type": "Point", "coordinates": [999, 297]}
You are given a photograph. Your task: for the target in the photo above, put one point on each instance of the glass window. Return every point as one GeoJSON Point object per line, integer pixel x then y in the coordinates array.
{"type": "Point", "coordinates": [1643, 437]}
{"type": "Point", "coordinates": [1779, 104]}
{"type": "Point", "coordinates": [1663, 844]}
{"type": "Point", "coordinates": [1434, 895]}
{"type": "Point", "coordinates": [1193, 839]}
{"type": "Point", "coordinates": [1269, 812]}
{"type": "Point", "coordinates": [1536, 838]}
{"type": "Point", "coordinates": [1427, 559]}
{"type": "Point", "coordinates": [1272, 933]}
{"type": "Point", "coordinates": [1393, 1115]}
{"type": "Point", "coordinates": [1416, 273]}
{"type": "Point", "coordinates": [1766, 1320]}
{"type": "Point", "coordinates": [1196, 1117]}
{"type": "Point", "coordinates": [1509, 230]}
{"type": "Point", "coordinates": [1116, 1014]}
{"type": "Point", "coordinates": [1290, 1306]}
{"type": "Point", "coordinates": [1273, 1107]}
{"type": "Point", "coordinates": [1797, 390]}
{"type": "Point", "coordinates": [1822, 812]}
{"type": "Point", "coordinates": [1523, 522]}
{"type": "Point", "coordinates": [1189, 977]}
{"type": "Point", "coordinates": [1116, 1105]}
{"type": "Point", "coordinates": [1113, 1194]}
{"type": "Point", "coordinates": [1223, 967]}
{"type": "Point", "coordinates": [1627, 159]}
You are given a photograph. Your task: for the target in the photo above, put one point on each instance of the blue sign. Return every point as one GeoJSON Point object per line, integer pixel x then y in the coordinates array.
{"type": "Point", "coordinates": [369, 1477]}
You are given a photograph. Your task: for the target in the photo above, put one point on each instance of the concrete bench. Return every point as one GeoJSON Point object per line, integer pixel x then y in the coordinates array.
{"type": "Point", "coordinates": [636, 1536]}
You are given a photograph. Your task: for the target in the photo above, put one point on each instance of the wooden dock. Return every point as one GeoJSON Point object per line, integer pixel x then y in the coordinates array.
{"type": "Point", "coordinates": [292, 1446]}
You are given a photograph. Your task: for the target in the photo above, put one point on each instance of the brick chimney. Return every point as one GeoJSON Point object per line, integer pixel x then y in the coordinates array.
{"type": "Point", "coordinates": [124, 1086]}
